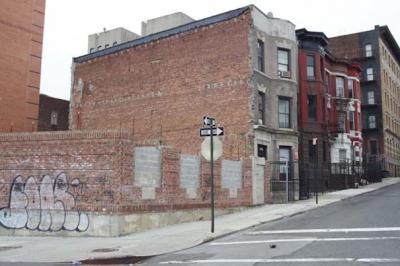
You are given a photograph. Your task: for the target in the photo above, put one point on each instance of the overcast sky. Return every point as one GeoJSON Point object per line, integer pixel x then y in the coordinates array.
{"type": "Point", "coordinates": [69, 22]}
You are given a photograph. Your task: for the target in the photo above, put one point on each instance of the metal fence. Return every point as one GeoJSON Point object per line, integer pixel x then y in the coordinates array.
{"type": "Point", "coordinates": [321, 177]}
{"type": "Point", "coordinates": [283, 182]}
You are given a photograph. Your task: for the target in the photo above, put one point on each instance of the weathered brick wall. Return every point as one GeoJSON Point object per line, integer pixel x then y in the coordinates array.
{"type": "Point", "coordinates": [161, 90]}
{"type": "Point", "coordinates": [21, 35]}
{"type": "Point", "coordinates": [47, 176]}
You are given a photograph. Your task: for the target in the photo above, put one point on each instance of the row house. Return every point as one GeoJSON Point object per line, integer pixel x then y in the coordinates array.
{"type": "Point", "coordinates": [329, 104]}
{"type": "Point", "coordinates": [379, 55]}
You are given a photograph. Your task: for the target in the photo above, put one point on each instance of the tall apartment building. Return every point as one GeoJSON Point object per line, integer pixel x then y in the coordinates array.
{"type": "Point", "coordinates": [21, 27]}
{"type": "Point", "coordinates": [239, 67]}
{"type": "Point", "coordinates": [379, 55]}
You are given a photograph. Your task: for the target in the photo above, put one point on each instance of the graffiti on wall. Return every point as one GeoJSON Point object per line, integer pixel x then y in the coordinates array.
{"type": "Point", "coordinates": [44, 206]}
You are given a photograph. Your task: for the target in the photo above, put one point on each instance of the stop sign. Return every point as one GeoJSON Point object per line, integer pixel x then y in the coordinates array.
{"type": "Point", "coordinates": [206, 148]}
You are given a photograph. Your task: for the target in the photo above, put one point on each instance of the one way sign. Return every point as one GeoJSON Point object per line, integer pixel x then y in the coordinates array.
{"type": "Point", "coordinates": [208, 121]}
{"type": "Point", "coordinates": [216, 131]}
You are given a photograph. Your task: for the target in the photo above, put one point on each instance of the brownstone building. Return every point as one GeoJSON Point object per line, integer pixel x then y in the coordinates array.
{"type": "Point", "coordinates": [21, 36]}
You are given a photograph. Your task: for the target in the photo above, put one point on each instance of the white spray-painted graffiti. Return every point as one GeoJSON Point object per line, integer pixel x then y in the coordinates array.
{"type": "Point", "coordinates": [44, 206]}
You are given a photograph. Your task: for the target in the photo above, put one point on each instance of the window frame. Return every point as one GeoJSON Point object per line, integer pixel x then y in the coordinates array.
{"type": "Point", "coordinates": [369, 93]}
{"type": "Point", "coordinates": [350, 88]}
{"type": "Point", "coordinates": [371, 122]}
{"type": "Point", "coordinates": [53, 118]}
{"type": "Point", "coordinates": [370, 76]}
{"type": "Point", "coordinates": [287, 51]}
{"type": "Point", "coordinates": [264, 149]}
{"type": "Point", "coordinates": [339, 89]}
{"type": "Point", "coordinates": [368, 52]}
{"type": "Point", "coordinates": [310, 67]}
{"type": "Point", "coordinates": [284, 124]}
{"type": "Point", "coordinates": [260, 56]}
{"type": "Point", "coordinates": [261, 107]}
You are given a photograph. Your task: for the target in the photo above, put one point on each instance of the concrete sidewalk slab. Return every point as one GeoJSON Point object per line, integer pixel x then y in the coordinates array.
{"type": "Point", "coordinates": [162, 240]}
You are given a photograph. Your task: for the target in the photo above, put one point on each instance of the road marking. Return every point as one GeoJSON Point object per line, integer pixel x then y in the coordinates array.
{"type": "Point", "coordinates": [302, 240]}
{"type": "Point", "coordinates": [294, 260]}
{"type": "Point", "coordinates": [327, 230]}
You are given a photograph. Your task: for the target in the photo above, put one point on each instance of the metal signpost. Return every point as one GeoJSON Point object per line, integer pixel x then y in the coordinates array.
{"type": "Point", "coordinates": [210, 132]}
{"type": "Point", "coordinates": [314, 142]}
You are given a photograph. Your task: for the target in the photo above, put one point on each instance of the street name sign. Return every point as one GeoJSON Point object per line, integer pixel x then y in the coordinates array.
{"type": "Point", "coordinates": [216, 131]}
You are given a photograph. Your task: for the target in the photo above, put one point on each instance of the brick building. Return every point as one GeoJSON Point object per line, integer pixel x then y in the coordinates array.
{"type": "Point", "coordinates": [379, 55]}
{"type": "Point", "coordinates": [239, 67]}
{"type": "Point", "coordinates": [21, 27]}
{"type": "Point", "coordinates": [53, 113]}
{"type": "Point", "coordinates": [329, 105]}
{"type": "Point", "coordinates": [131, 159]}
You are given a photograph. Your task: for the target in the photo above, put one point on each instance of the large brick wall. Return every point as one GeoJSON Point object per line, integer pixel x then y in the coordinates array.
{"type": "Point", "coordinates": [21, 36]}
{"type": "Point", "coordinates": [91, 175]}
{"type": "Point", "coordinates": [161, 90]}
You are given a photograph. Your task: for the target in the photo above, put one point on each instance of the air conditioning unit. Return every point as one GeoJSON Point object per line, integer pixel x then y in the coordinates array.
{"type": "Point", "coordinates": [284, 74]}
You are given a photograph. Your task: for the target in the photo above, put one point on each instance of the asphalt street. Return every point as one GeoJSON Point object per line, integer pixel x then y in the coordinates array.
{"type": "Point", "coordinates": [363, 230]}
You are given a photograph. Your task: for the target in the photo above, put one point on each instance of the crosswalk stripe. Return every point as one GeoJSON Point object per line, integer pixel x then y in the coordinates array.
{"type": "Point", "coordinates": [293, 260]}
{"type": "Point", "coordinates": [303, 240]}
{"type": "Point", "coordinates": [325, 230]}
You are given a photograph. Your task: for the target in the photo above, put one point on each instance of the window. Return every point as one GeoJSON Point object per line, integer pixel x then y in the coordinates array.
{"type": "Point", "coordinates": [91, 50]}
{"type": "Point", "coordinates": [312, 151]}
{"type": "Point", "coordinates": [53, 118]}
{"type": "Point", "coordinates": [115, 43]}
{"type": "Point", "coordinates": [310, 67]}
{"type": "Point", "coordinates": [351, 120]}
{"type": "Point", "coordinates": [106, 46]}
{"type": "Point", "coordinates": [283, 60]}
{"type": "Point", "coordinates": [342, 155]}
{"type": "Point", "coordinates": [284, 112]}
{"type": "Point", "coordinates": [371, 121]}
{"type": "Point", "coordinates": [371, 97]}
{"type": "Point", "coordinates": [373, 147]}
{"type": "Point", "coordinates": [260, 56]}
{"type": "Point", "coordinates": [99, 47]}
{"type": "Point", "coordinates": [350, 86]}
{"type": "Point", "coordinates": [262, 151]}
{"type": "Point", "coordinates": [339, 87]}
{"type": "Point", "coordinates": [370, 73]}
{"type": "Point", "coordinates": [261, 108]}
{"type": "Point", "coordinates": [341, 121]}
{"type": "Point", "coordinates": [368, 50]}
{"type": "Point", "coordinates": [312, 107]}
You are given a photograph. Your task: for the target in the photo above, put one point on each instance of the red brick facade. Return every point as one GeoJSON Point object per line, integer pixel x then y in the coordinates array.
{"type": "Point", "coordinates": [161, 90]}
{"type": "Point", "coordinates": [21, 35]}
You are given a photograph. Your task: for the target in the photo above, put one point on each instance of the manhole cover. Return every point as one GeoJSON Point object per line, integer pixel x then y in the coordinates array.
{"type": "Point", "coordinates": [105, 250]}
{"type": "Point", "coordinates": [5, 248]}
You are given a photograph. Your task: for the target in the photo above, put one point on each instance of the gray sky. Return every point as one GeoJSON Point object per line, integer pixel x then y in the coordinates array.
{"type": "Point", "coordinates": [69, 22]}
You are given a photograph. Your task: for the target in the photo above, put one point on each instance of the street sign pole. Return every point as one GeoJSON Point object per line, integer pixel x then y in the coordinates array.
{"type": "Point", "coordinates": [212, 177]}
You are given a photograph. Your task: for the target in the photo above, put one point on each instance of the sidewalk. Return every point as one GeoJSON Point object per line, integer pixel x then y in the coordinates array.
{"type": "Point", "coordinates": [163, 240]}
